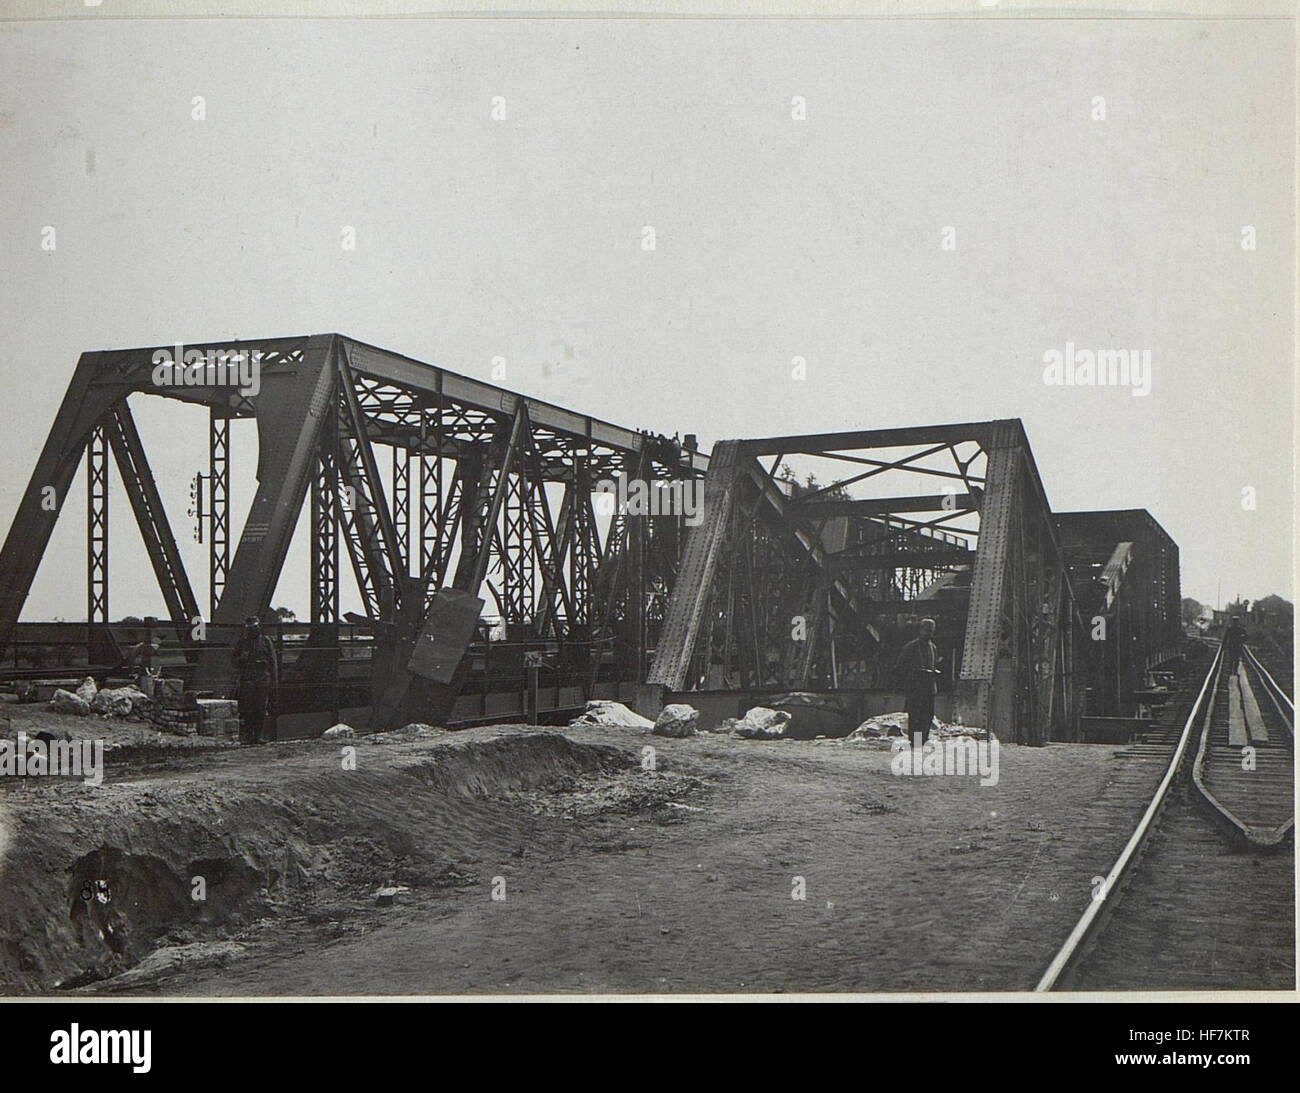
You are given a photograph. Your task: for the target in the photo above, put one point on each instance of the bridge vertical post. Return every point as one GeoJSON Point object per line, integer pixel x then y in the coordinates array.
{"type": "Point", "coordinates": [219, 484]}
{"type": "Point", "coordinates": [97, 544]}
{"type": "Point", "coordinates": [431, 456]}
{"type": "Point", "coordinates": [325, 529]}
{"type": "Point", "coordinates": [582, 551]}
{"type": "Point", "coordinates": [636, 467]}
{"type": "Point", "coordinates": [402, 505]}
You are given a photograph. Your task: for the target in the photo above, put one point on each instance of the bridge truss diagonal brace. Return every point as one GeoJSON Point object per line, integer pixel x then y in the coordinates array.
{"type": "Point", "coordinates": [361, 534]}
{"type": "Point", "coordinates": [480, 520]}
{"type": "Point", "coordinates": [381, 514]}
{"type": "Point", "coordinates": [92, 392]}
{"type": "Point", "coordinates": [146, 503]}
{"type": "Point", "coordinates": [291, 409]}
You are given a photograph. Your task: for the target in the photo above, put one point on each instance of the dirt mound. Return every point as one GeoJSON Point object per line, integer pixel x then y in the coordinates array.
{"type": "Point", "coordinates": [93, 882]}
{"type": "Point", "coordinates": [489, 768]}
{"type": "Point", "coordinates": [585, 796]}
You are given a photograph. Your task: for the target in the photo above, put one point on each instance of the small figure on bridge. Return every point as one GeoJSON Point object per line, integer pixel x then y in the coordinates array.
{"type": "Point", "coordinates": [138, 658]}
{"type": "Point", "coordinates": [918, 666]}
{"type": "Point", "coordinates": [256, 677]}
{"type": "Point", "coordinates": [1234, 637]}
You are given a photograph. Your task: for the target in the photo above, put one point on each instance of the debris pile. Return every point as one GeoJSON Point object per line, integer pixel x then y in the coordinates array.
{"type": "Point", "coordinates": [762, 723]}
{"type": "Point", "coordinates": [121, 702]}
{"type": "Point", "coordinates": [127, 701]}
{"type": "Point", "coordinates": [676, 719]}
{"type": "Point", "coordinates": [881, 727]}
{"type": "Point", "coordinates": [813, 714]}
{"type": "Point", "coordinates": [887, 727]}
{"type": "Point", "coordinates": [69, 702]}
{"type": "Point", "coordinates": [610, 714]}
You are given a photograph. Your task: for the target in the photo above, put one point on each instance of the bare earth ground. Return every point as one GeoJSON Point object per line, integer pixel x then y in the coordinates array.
{"type": "Point", "coordinates": [615, 879]}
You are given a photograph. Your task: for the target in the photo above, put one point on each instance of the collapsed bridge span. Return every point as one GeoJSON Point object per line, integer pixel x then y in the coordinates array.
{"type": "Point", "coordinates": [494, 585]}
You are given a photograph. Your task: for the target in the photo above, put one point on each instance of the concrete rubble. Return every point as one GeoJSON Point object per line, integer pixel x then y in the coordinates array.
{"type": "Point", "coordinates": [87, 690]}
{"type": "Point", "coordinates": [883, 726]}
{"type": "Point", "coordinates": [414, 730]}
{"type": "Point", "coordinates": [813, 714]}
{"type": "Point", "coordinates": [883, 729]}
{"type": "Point", "coordinates": [121, 702]}
{"type": "Point", "coordinates": [762, 723]}
{"type": "Point", "coordinates": [677, 719]}
{"type": "Point", "coordinates": [69, 702]}
{"type": "Point", "coordinates": [339, 731]}
{"type": "Point", "coordinates": [604, 712]}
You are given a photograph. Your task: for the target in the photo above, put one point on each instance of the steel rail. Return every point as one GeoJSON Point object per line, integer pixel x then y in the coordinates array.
{"type": "Point", "coordinates": [1081, 930]}
{"type": "Point", "coordinates": [1254, 834]}
{"type": "Point", "coordinates": [1276, 693]}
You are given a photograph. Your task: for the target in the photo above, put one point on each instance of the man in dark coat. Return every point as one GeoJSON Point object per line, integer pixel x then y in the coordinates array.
{"type": "Point", "coordinates": [256, 676]}
{"type": "Point", "coordinates": [918, 667]}
{"type": "Point", "coordinates": [1234, 637]}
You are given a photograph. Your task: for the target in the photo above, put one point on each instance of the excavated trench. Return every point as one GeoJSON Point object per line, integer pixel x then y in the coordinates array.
{"type": "Point", "coordinates": [93, 882]}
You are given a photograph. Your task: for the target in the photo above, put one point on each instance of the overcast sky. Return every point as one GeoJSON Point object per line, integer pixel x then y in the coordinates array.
{"type": "Point", "coordinates": [774, 238]}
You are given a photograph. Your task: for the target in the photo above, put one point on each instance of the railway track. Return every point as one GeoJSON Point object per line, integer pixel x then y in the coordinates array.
{"type": "Point", "coordinates": [1244, 767]}
{"type": "Point", "coordinates": [1202, 894]}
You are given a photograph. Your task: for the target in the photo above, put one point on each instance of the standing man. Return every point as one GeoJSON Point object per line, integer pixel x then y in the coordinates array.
{"type": "Point", "coordinates": [1234, 637]}
{"type": "Point", "coordinates": [918, 666]}
{"type": "Point", "coordinates": [256, 675]}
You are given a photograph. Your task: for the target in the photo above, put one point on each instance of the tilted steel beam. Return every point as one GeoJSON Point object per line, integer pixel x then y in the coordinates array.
{"type": "Point", "coordinates": [291, 409]}
{"type": "Point", "coordinates": [981, 662]}
{"type": "Point", "coordinates": [700, 555]}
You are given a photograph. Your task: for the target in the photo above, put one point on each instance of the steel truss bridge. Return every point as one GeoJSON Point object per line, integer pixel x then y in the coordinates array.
{"type": "Point", "coordinates": [446, 493]}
